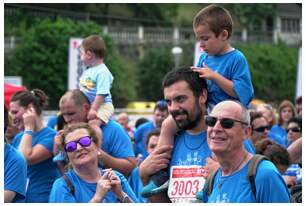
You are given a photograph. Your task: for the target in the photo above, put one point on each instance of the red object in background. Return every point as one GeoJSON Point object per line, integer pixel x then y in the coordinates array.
{"type": "Point", "coordinates": [9, 90]}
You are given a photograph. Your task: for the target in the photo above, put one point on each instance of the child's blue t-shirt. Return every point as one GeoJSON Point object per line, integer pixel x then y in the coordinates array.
{"type": "Point", "coordinates": [97, 80]}
{"type": "Point", "coordinates": [41, 175]}
{"type": "Point", "coordinates": [233, 66]}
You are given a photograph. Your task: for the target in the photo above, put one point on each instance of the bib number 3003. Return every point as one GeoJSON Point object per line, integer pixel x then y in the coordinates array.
{"type": "Point", "coordinates": [187, 184]}
{"type": "Point", "coordinates": [187, 188]}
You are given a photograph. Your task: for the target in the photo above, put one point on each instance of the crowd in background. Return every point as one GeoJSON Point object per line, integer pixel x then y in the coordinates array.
{"type": "Point", "coordinates": [279, 139]}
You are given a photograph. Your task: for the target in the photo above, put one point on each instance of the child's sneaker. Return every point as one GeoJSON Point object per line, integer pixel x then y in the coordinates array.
{"type": "Point", "coordinates": [159, 183]}
{"type": "Point", "coordinates": [199, 195]}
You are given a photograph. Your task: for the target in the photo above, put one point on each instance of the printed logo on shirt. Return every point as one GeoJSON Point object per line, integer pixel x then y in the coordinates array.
{"type": "Point", "coordinates": [88, 83]}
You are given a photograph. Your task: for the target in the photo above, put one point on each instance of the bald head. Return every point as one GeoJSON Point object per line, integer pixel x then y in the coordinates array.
{"type": "Point", "coordinates": [74, 106]}
{"type": "Point", "coordinates": [236, 108]}
{"type": "Point", "coordinates": [76, 96]}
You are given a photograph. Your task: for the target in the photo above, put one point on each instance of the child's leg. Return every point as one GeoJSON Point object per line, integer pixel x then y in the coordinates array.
{"type": "Point", "coordinates": [103, 115]}
{"type": "Point", "coordinates": [168, 131]}
{"type": "Point", "coordinates": [105, 112]}
{"type": "Point", "coordinates": [158, 181]}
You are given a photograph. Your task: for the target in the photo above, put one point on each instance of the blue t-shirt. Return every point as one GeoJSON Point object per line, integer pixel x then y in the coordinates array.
{"type": "Point", "coordinates": [15, 172]}
{"type": "Point", "coordinates": [52, 121]}
{"type": "Point", "coordinates": [189, 153]}
{"type": "Point", "coordinates": [97, 80]}
{"type": "Point", "coordinates": [248, 145]}
{"type": "Point", "coordinates": [41, 175]}
{"type": "Point", "coordinates": [141, 138]}
{"type": "Point", "coordinates": [116, 141]}
{"type": "Point", "coordinates": [236, 188]}
{"type": "Point", "coordinates": [136, 184]}
{"type": "Point", "coordinates": [278, 135]}
{"type": "Point", "coordinates": [84, 191]}
{"type": "Point", "coordinates": [233, 66]}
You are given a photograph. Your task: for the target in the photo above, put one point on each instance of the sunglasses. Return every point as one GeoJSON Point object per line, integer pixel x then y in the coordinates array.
{"type": "Point", "coordinates": [294, 129]}
{"type": "Point", "coordinates": [226, 123]}
{"type": "Point", "coordinates": [262, 129]}
{"type": "Point", "coordinates": [83, 141]}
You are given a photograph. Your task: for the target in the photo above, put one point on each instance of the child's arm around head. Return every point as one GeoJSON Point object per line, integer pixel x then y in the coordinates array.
{"type": "Point", "coordinates": [225, 84]}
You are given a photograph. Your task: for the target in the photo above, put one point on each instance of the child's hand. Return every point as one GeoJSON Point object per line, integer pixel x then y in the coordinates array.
{"type": "Point", "coordinates": [204, 72]}
{"type": "Point", "coordinates": [92, 114]}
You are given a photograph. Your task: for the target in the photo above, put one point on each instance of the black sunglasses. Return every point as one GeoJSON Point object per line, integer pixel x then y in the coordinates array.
{"type": "Point", "coordinates": [262, 129]}
{"type": "Point", "coordinates": [294, 129]}
{"type": "Point", "coordinates": [226, 123]}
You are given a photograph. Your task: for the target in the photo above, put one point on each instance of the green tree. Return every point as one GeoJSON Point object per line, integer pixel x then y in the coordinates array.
{"type": "Point", "coordinates": [273, 70]}
{"type": "Point", "coordinates": [42, 59]}
{"type": "Point", "coordinates": [248, 15]}
{"type": "Point", "coordinates": [152, 68]}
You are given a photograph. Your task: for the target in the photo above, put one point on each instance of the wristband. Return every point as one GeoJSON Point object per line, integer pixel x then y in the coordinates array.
{"type": "Point", "coordinates": [29, 132]}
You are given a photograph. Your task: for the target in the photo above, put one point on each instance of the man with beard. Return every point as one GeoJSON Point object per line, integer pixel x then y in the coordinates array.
{"type": "Point", "coordinates": [186, 94]}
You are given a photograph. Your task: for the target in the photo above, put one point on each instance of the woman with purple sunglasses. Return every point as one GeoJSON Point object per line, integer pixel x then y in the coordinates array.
{"type": "Point", "coordinates": [85, 181]}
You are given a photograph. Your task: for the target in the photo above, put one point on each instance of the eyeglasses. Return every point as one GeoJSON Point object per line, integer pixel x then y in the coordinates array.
{"type": "Point", "coordinates": [226, 123]}
{"type": "Point", "coordinates": [262, 129]}
{"type": "Point", "coordinates": [83, 141]}
{"type": "Point", "coordinates": [294, 129]}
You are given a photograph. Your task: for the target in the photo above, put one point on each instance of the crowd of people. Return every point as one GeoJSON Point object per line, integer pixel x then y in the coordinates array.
{"type": "Point", "coordinates": [204, 129]}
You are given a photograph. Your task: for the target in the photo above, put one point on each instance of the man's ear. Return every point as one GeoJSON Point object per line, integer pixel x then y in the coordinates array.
{"type": "Point", "coordinates": [203, 97]}
{"type": "Point", "coordinates": [247, 132]}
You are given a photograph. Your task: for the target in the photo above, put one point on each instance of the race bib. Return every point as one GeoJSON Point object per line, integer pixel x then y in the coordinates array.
{"type": "Point", "coordinates": [185, 182]}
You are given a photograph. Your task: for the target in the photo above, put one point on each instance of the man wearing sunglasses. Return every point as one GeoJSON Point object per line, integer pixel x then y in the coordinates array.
{"type": "Point", "coordinates": [116, 149]}
{"type": "Point", "coordinates": [260, 127]}
{"type": "Point", "coordinates": [227, 127]}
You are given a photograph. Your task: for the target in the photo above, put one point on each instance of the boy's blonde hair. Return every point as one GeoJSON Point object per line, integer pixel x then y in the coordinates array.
{"type": "Point", "coordinates": [216, 17]}
{"type": "Point", "coordinates": [95, 44]}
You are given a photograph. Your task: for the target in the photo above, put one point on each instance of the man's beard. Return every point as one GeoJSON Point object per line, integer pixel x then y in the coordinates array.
{"type": "Point", "coordinates": [188, 123]}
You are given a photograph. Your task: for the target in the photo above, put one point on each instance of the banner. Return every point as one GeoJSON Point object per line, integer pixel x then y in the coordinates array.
{"type": "Point", "coordinates": [75, 67]}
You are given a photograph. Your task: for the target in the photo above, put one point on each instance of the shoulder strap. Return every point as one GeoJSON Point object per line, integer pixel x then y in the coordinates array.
{"type": "Point", "coordinates": [69, 184]}
{"type": "Point", "coordinates": [210, 182]}
{"type": "Point", "coordinates": [256, 159]}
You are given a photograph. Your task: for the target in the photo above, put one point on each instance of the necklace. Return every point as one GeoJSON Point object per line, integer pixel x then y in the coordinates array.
{"type": "Point", "coordinates": [195, 148]}
{"type": "Point", "coordinates": [220, 181]}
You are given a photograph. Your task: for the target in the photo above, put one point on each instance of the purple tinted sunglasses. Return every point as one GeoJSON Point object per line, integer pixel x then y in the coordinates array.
{"type": "Point", "coordinates": [83, 141]}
